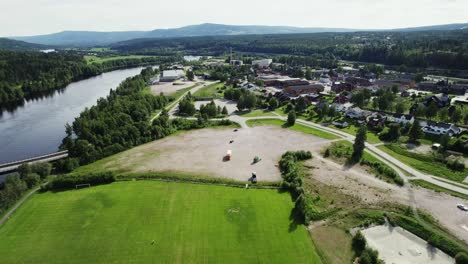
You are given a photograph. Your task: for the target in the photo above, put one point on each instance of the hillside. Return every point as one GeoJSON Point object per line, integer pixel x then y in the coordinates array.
{"type": "Point", "coordinates": [16, 45]}
{"type": "Point", "coordinates": [93, 38]}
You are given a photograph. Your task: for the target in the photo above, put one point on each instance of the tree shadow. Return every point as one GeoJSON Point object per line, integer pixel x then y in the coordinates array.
{"type": "Point", "coordinates": [295, 219]}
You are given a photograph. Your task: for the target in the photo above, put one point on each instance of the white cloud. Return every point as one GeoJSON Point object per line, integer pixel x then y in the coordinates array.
{"type": "Point", "coordinates": [29, 17]}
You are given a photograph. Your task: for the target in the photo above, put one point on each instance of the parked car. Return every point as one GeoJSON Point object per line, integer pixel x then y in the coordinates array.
{"type": "Point", "coordinates": [462, 207]}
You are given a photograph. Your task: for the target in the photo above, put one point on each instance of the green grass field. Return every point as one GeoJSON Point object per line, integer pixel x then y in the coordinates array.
{"type": "Point", "coordinates": [189, 223]}
{"type": "Point", "coordinates": [210, 91]}
{"type": "Point", "coordinates": [95, 59]}
{"type": "Point", "coordinates": [295, 127]}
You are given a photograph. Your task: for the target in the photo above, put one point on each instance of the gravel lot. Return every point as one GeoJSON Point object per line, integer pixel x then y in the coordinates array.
{"type": "Point", "coordinates": [202, 152]}
{"type": "Point", "coordinates": [169, 88]}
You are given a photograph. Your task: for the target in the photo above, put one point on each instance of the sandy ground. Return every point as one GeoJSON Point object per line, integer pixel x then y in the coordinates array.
{"type": "Point", "coordinates": [231, 106]}
{"type": "Point", "coordinates": [422, 149]}
{"type": "Point", "coordinates": [203, 151]}
{"type": "Point", "coordinates": [396, 245]}
{"type": "Point", "coordinates": [356, 181]}
{"type": "Point", "coordinates": [169, 87]}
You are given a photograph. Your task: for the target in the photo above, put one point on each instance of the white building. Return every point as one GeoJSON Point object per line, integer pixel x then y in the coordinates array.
{"type": "Point", "coordinates": [265, 63]}
{"type": "Point", "coordinates": [171, 75]}
{"type": "Point", "coordinates": [401, 118]}
{"type": "Point", "coordinates": [438, 128]}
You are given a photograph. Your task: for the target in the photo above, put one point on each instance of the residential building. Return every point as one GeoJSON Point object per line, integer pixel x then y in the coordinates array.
{"type": "Point", "coordinates": [439, 128]}
{"type": "Point", "coordinates": [358, 81]}
{"type": "Point", "coordinates": [400, 118]}
{"type": "Point", "coordinates": [339, 87]}
{"type": "Point", "coordinates": [357, 113]}
{"type": "Point", "coordinates": [303, 89]}
{"type": "Point", "coordinates": [236, 63]}
{"type": "Point", "coordinates": [441, 100]}
{"type": "Point", "coordinates": [340, 123]}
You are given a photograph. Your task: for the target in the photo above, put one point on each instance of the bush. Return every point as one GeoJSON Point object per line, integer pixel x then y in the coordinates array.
{"type": "Point", "coordinates": [68, 164]}
{"type": "Point", "coordinates": [369, 256]}
{"type": "Point", "coordinates": [32, 180]}
{"type": "Point", "coordinates": [291, 118]}
{"type": "Point", "coordinates": [42, 168]}
{"type": "Point", "coordinates": [71, 180]}
{"type": "Point", "coordinates": [461, 258]}
{"type": "Point", "coordinates": [455, 164]}
{"type": "Point", "coordinates": [359, 243]}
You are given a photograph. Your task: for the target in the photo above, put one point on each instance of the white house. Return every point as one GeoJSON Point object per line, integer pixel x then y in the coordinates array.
{"type": "Point", "coordinates": [438, 128]}
{"type": "Point", "coordinates": [356, 113]}
{"type": "Point", "coordinates": [401, 119]}
{"type": "Point", "coordinates": [265, 63]}
{"type": "Point", "coordinates": [171, 75]}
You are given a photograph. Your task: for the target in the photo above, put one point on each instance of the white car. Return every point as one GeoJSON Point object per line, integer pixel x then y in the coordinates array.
{"type": "Point", "coordinates": [462, 207]}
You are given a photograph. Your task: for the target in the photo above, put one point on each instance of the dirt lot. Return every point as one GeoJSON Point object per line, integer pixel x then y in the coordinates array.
{"type": "Point", "coordinates": [356, 181]}
{"type": "Point", "coordinates": [169, 88]}
{"type": "Point", "coordinates": [203, 151]}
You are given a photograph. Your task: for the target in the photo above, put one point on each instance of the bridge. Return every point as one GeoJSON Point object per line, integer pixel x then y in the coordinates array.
{"type": "Point", "coordinates": [12, 166]}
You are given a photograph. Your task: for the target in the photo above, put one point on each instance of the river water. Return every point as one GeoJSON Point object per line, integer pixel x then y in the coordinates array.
{"type": "Point", "coordinates": [38, 126]}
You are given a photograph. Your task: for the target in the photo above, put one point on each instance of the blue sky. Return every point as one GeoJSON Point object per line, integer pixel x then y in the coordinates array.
{"type": "Point", "coordinates": [30, 17]}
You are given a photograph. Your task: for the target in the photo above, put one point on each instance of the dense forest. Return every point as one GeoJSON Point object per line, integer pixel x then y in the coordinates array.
{"type": "Point", "coordinates": [26, 75]}
{"type": "Point", "coordinates": [440, 49]}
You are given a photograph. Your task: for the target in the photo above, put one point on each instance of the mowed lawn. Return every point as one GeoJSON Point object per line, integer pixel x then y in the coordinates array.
{"type": "Point", "coordinates": [156, 222]}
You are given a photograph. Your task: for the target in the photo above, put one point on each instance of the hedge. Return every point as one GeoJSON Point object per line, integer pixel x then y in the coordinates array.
{"type": "Point", "coordinates": [71, 180]}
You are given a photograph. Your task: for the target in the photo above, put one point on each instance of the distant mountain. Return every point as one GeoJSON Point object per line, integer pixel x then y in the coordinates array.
{"type": "Point", "coordinates": [92, 38]}
{"type": "Point", "coordinates": [16, 45]}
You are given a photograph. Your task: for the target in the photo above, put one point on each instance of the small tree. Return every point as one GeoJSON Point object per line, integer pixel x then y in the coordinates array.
{"type": "Point", "coordinates": [24, 169]}
{"type": "Point", "coordinates": [444, 143]}
{"type": "Point", "coordinates": [359, 243]}
{"type": "Point", "coordinates": [291, 118]}
{"type": "Point", "coordinates": [190, 75]}
{"type": "Point", "coordinates": [273, 103]}
{"type": "Point", "coordinates": [42, 168]}
{"type": "Point", "coordinates": [461, 258]}
{"type": "Point", "coordinates": [32, 179]}
{"type": "Point", "coordinates": [415, 132]}
{"type": "Point", "coordinates": [224, 111]}
{"type": "Point", "coordinates": [369, 256]}
{"type": "Point", "coordinates": [359, 144]}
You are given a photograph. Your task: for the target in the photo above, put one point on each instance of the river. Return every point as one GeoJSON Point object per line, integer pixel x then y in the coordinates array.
{"type": "Point", "coordinates": [38, 126]}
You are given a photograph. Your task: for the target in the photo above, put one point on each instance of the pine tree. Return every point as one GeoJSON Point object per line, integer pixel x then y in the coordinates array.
{"type": "Point", "coordinates": [359, 144]}
{"type": "Point", "coordinates": [415, 132]}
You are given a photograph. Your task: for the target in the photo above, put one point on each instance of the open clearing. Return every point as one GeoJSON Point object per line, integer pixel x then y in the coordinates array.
{"type": "Point", "coordinates": [169, 88]}
{"type": "Point", "coordinates": [203, 151]}
{"type": "Point", "coordinates": [396, 245]}
{"type": "Point", "coordinates": [156, 222]}
{"type": "Point", "coordinates": [231, 106]}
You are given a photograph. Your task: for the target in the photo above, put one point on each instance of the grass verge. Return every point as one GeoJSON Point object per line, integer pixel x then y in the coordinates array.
{"type": "Point", "coordinates": [295, 127]}
{"type": "Point", "coordinates": [436, 188]}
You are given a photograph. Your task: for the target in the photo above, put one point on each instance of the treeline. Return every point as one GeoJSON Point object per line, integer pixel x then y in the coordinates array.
{"type": "Point", "coordinates": [115, 123]}
{"type": "Point", "coordinates": [25, 75]}
{"type": "Point", "coordinates": [17, 184]}
{"type": "Point", "coordinates": [440, 49]}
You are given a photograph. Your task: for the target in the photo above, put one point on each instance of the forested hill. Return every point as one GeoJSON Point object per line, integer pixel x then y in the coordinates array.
{"type": "Point", "coordinates": [440, 49]}
{"type": "Point", "coordinates": [16, 45]}
{"type": "Point", "coordinates": [26, 75]}
{"type": "Point", "coordinates": [93, 38]}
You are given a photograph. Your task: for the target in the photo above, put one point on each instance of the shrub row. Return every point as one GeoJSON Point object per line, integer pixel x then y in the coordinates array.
{"type": "Point", "coordinates": [443, 243]}
{"type": "Point", "coordinates": [293, 180]}
{"type": "Point", "coordinates": [71, 180]}
{"type": "Point", "coordinates": [383, 170]}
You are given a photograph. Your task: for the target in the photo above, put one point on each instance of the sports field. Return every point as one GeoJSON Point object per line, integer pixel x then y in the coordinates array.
{"type": "Point", "coordinates": [156, 222]}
